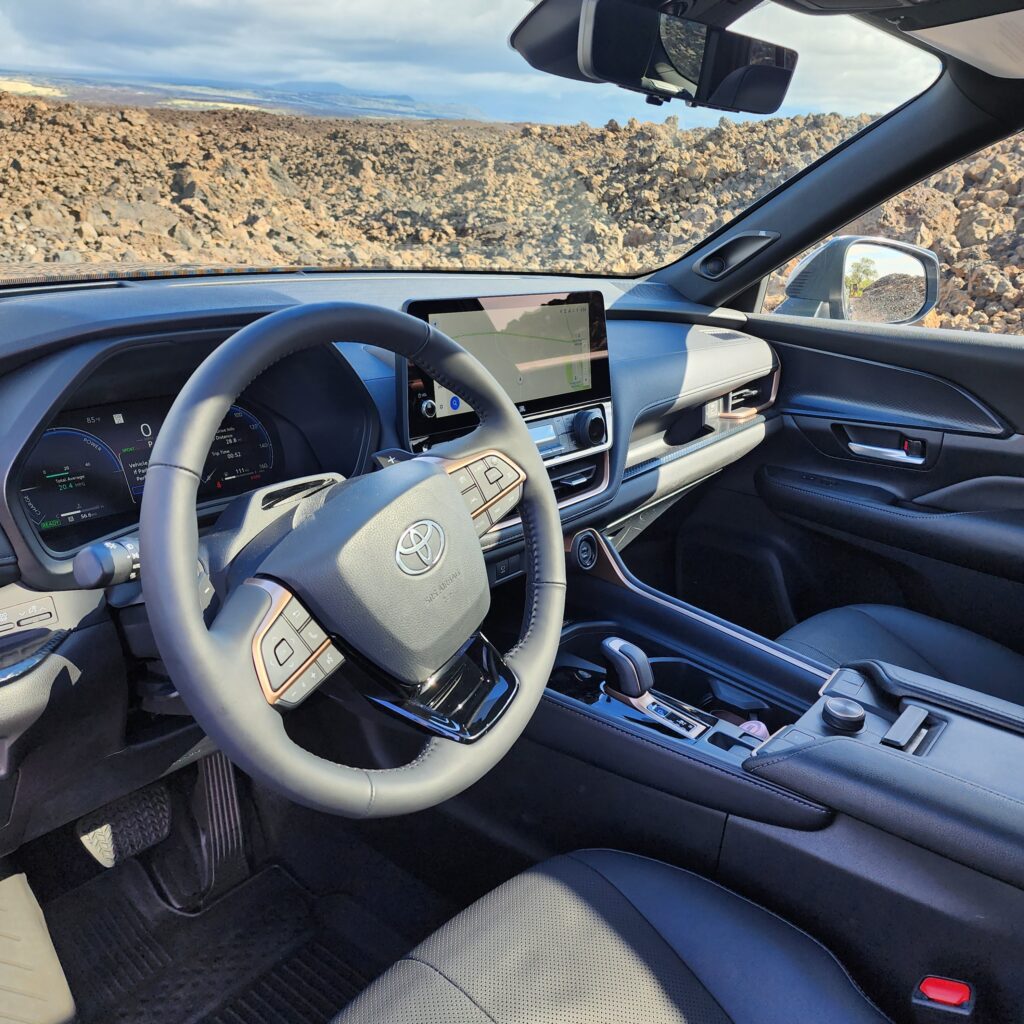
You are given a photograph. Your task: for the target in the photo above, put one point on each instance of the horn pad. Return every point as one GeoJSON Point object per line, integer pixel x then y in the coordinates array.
{"type": "Point", "coordinates": [392, 564]}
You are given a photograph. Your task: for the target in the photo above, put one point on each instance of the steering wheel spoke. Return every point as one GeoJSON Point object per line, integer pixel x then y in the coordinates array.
{"type": "Point", "coordinates": [491, 484]}
{"type": "Point", "coordinates": [461, 701]}
{"type": "Point", "coordinates": [291, 652]}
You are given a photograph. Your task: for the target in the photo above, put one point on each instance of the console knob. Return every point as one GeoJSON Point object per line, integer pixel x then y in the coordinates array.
{"type": "Point", "coordinates": [843, 714]}
{"type": "Point", "coordinates": [589, 428]}
{"type": "Point", "coordinates": [428, 409]}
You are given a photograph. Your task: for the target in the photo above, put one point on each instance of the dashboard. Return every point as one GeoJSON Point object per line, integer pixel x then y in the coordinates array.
{"type": "Point", "coordinates": [86, 474]}
{"type": "Point", "coordinates": [88, 429]}
{"type": "Point", "coordinates": [87, 377]}
{"type": "Point", "coordinates": [620, 391]}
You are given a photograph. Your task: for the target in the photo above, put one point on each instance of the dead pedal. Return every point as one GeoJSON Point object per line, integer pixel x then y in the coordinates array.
{"type": "Point", "coordinates": [127, 826]}
{"type": "Point", "coordinates": [33, 989]}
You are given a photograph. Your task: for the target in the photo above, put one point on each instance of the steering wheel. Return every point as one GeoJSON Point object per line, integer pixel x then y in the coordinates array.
{"type": "Point", "coordinates": [384, 571]}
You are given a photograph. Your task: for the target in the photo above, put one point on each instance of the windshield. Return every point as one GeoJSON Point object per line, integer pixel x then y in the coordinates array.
{"type": "Point", "coordinates": [359, 135]}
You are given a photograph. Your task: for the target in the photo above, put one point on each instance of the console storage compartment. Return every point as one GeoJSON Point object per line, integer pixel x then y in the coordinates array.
{"type": "Point", "coordinates": [920, 758]}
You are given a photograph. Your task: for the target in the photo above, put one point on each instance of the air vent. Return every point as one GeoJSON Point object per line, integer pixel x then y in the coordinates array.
{"type": "Point", "coordinates": [576, 478]}
{"type": "Point", "coordinates": [752, 398]}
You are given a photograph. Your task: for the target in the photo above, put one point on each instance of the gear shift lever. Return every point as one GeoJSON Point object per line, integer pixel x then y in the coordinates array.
{"type": "Point", "coordinates": [634, 676]}
{"type": "Point", "coordinates": [631, 680]}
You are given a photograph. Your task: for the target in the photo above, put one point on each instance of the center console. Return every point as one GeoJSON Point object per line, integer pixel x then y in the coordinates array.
{"type": "Point", "coordinates": [918, 757]}
{"type": "Point", "coordinates": [550, 353]}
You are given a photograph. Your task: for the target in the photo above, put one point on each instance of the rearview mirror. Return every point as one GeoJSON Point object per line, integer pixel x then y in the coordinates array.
{"type": "Point", "coordinates": [668, 57]}
{"type": "Point", "coordinates": [871, 280]}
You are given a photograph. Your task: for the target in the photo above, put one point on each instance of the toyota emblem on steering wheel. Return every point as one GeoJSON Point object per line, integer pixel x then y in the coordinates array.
{"type": "Point", "coordinates": [420, 547]}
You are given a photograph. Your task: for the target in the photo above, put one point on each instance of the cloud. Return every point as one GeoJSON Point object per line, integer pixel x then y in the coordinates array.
{"type": "Point", "coordinates": [844, 65]}
{"type": "Point", "coordinates": [451, 51]}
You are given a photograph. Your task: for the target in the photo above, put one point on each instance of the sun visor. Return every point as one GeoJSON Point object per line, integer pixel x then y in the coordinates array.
{"type": "Point", "coordinates": [994, 44]}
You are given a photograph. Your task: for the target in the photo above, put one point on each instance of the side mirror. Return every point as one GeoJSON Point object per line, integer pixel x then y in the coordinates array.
{"type": "Point", "coordinates": [872, 280]}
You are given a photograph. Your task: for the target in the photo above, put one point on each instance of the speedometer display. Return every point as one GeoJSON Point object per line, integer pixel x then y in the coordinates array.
{"type": "Point", "coordinates": [71, 477]}
{"type": "Point", "coordinates": [242, 450]}
{"type": "Point", "coordinates": [91, 464]}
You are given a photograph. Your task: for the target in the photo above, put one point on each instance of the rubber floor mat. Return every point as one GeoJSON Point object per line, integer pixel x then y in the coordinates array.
{"type": "Point", "coordinates": [267, 953]}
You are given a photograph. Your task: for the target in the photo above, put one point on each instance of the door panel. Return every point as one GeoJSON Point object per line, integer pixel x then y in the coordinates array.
{"type": "Point", "coordinates": [822, 383]}
{"type": "Point", "coordinates": [893, 473]}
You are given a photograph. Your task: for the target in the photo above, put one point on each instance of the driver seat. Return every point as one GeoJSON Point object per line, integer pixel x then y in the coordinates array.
{"type": "Point", "coordinates": [600, 937]}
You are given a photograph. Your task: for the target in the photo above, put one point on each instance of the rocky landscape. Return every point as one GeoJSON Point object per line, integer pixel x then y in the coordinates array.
{"type": "Point", "coordinates": [128, 187]}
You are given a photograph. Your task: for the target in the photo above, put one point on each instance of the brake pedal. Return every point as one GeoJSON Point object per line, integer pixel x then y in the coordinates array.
{"type": "Point", "coordinates": [33, 989]}
{"type": "Point", "coordinates": [127, 826]}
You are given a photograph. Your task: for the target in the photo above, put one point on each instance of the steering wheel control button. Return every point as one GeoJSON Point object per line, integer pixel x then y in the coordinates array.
{"type": "Point", "coordinates": [473, 499]}
{"type": "Point", "coordinates": [296, 614]}
{"type": "Point", "coordinates": [283, 652]}
{"type": "Point", "coordinates": [843, 714]}
{"type": "Point", "coordinates": [503, 507]}
{"type": "Point", "coordinates": [490, 488]}
{"type": "Point", "coordinates": [313, 635]}
{"type": "Point", "coordinates": [303, 686]}
{"type": "Point", "coordinates": [282, 642]}
{"type": "Point", "coordinates": [331, 660]}
{"type": "Point", "coordinates": [508, 476]}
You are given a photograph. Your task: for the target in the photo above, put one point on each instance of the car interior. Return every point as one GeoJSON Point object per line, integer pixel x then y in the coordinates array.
{"type": "Point", "coordinates": [439, 675]}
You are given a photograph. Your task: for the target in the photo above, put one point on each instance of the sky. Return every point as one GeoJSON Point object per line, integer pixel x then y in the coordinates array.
{"type": "Point", "coordinates": [439, 51]}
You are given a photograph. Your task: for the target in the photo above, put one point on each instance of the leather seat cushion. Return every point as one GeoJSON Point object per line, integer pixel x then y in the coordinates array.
{"type": "Point", "coordinates": [601, 937]}
{"type": "Point", "coordinates": [911, 640]}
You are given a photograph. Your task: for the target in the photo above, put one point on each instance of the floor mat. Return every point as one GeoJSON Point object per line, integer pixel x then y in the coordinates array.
{"type": "Point", "coordinates": [267, 953]}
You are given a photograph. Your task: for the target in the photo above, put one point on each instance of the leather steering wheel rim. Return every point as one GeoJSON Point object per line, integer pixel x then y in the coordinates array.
{"type": "Point", "coordinates": [209, 665]}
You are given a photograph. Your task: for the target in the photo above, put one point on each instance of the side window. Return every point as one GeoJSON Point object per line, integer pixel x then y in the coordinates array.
{"type": "Point", "coordinates": [944, 253]}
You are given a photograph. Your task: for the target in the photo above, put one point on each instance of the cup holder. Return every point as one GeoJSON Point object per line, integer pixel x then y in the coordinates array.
{"type": "Point", "coordinates": [580, 672]}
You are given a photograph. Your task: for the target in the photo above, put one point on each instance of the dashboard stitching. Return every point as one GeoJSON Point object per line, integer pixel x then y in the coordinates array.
{"type": "Point", "coordinates": [470, 394]}
{"type": "Point", "coordinates": [612, 489]}
{"type": "Point", "coordinates": [672, 399]}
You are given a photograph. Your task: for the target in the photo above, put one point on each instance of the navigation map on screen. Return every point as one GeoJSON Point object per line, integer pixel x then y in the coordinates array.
{"type": "Point", "coordinates": [534, 351]}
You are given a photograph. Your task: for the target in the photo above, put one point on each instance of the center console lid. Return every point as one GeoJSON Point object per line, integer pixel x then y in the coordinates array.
{"type": "Point", "coordinates": [921, 758]}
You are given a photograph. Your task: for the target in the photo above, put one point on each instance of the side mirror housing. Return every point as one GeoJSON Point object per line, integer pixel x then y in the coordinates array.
{"type": "Point", "coordinates": [859, 278]}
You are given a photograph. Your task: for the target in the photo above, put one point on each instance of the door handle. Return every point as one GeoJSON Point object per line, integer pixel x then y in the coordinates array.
{"type": "Point", "coordinates": [872, 451]}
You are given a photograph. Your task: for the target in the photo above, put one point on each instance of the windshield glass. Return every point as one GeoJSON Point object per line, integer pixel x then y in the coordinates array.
{"type": "Point", "coordinates": [360, 135]}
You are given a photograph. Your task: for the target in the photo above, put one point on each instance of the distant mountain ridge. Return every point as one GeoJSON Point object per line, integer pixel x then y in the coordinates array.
{"type": "Point", "coordinates": [317, 99]}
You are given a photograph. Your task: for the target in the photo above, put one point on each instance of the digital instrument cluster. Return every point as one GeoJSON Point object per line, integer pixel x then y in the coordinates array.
{"type": "Point", "coordinates": [90, 465]}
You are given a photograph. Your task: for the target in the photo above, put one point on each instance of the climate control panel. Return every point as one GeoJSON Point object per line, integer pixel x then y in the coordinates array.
{"type": "Point", "coordinates": [566, 435]}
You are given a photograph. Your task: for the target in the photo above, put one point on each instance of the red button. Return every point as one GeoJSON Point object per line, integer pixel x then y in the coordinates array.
{"type": "Point", "coordinates": [946, 991]}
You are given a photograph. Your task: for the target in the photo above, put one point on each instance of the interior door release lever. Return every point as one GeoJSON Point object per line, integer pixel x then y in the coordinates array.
{"type": "Point", "coordinates": [911, 454]}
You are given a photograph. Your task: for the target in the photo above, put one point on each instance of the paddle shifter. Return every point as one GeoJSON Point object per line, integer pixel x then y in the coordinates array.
{"type": "Point", "coordinates": [631, 680]}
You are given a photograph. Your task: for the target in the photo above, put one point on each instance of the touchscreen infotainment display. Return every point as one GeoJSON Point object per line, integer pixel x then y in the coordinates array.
{"type": "Point", "coordinates": [548, 351]}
